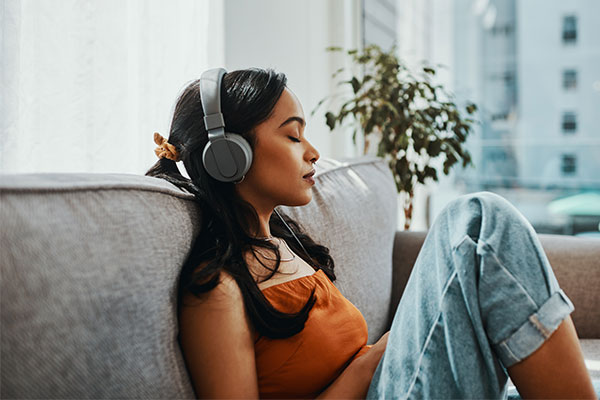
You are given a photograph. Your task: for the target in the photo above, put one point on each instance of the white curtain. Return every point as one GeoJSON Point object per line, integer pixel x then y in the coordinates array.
{"type": "Point", "coordinates": [85, 83]}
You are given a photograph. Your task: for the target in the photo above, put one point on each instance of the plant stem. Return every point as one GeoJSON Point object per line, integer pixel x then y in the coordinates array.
{"type": "Point", "coordinates": [408, 209]}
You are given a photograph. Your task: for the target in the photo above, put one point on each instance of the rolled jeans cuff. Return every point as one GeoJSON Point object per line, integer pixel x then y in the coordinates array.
{"type": "Point", "coordinates": [534, 332]}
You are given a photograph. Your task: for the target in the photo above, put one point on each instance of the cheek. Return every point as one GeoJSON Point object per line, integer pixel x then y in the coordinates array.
{"type": "Point", "coordinates": [277, 160]}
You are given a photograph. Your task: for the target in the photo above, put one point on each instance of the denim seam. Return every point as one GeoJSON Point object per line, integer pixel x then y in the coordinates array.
{"type": "Point", "coordinates": [533, 321]}
{"type": "Point", "coordinates": [491, 251]}
{"type": "Point", "coordinates": [459, 243]}
{"type": "Point", "coordinates": [536, 322]}
{"type": "Point", "coordinates": [414, 379]}
{"type": "Point", "coordinates": [505, 346]}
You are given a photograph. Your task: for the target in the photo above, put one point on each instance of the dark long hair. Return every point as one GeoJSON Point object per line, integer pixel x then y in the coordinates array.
{"type": "Point", "coordinates": [247, 99]}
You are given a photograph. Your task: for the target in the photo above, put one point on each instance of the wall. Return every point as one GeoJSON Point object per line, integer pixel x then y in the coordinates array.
{"type": "Point", "coordinates": [291, 37]}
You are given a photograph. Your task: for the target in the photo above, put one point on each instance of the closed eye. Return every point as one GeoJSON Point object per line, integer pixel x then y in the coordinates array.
{"type": "Point", "coordinates": [294, 139]}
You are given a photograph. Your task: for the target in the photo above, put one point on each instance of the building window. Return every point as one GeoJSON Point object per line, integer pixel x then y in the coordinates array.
{"type": "Point", "coordinates": [502, 116]}
{"type": "Point", "coordinates": [569, 33]}
{"type": "Point", "coordinates": [569, 79]}
{"type": "Point", "coordinates": [569, 164]}
{"type": "Point", "coordinates": [569, 122]}
{"type": "Point", "coordinates": [506, 29]}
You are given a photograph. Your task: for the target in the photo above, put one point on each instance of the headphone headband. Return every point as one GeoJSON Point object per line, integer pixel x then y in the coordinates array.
{"type": "Point", "coordinates": [210, 94]}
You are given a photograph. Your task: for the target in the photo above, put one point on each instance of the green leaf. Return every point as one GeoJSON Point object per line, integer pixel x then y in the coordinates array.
{"type": "Point", "coordinates": [418, 140]}
{"type": "Point", "coordinates": [431, 173]}
{"type": "Point", "coordinates": [466, 159]}
{"type": "Point", "coordinates": [429, 71]}
{"type": "Point", "coordinates": [450, 159]}
{"type": "Point", "coordinates": [355, 84]}
{"type": "Point", "coordinates": [434, 147]}
{"type": "Point", "coordinates": [403, 141]}
{"type": "Point", "coordinates": [330, 120]}
{"type": "Point", "coordinates": [420, 177]}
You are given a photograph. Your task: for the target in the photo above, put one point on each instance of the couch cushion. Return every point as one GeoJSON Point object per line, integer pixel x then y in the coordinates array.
{"type": "Point", "coordinates": [353, 212]}
{"type": "Point", "coordinates": [90, 263]}
{"type": "Point", "coordinates": [89, 268]}
{"type": "Point", "coordinates": [575, 263]}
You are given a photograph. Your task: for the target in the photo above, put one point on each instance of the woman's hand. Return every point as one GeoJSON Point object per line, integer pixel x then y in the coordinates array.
{"type": "Point", "coordinates": [373, 355]}
{"type": "Point", "coordinates": [354, 381]}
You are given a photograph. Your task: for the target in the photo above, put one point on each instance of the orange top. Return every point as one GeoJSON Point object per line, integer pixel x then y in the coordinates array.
{"type": "Point", "coordinates": [334, 334]}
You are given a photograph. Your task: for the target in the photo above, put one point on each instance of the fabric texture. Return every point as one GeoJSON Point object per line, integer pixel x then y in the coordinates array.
{"type": "Point", "coordinates": [574, 261]}
{"type": "Point", "coordinates": [88, 287]}
{"type": "Point", "coordinates": [481, 297]}
{"type": "Point", "coordinates": [576, 264]}
{"type": "Point", "coordinates": [303, 365]}
{"type": "Point", "coordinates": [90, 264]}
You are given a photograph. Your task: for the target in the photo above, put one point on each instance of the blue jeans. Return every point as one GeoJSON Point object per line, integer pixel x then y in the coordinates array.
{"type": "Point", "coordinates": [481, 297]}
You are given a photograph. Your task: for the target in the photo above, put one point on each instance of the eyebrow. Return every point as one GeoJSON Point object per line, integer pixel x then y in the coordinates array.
{"type": "Point", "coordinates": [292, 119]}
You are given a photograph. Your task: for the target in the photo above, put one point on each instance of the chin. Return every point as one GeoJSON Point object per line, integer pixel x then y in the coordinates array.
{"type": "Point", "coordinates": [300, 201]}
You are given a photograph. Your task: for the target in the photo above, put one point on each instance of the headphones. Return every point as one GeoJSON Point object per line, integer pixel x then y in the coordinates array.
{"type": "Point", "coordinates": [227, 156]}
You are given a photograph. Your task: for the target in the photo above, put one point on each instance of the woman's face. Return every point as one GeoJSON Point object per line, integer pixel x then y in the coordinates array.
{"type": "Point", "coordinates": [282, 156]}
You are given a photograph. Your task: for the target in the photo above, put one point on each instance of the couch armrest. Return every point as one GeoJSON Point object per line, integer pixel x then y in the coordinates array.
{"type": "Point", "coordinates": [575, 261]}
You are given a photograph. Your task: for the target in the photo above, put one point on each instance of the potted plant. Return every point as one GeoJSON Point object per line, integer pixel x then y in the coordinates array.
{"type": "Point", "coordinates": [414, 123]}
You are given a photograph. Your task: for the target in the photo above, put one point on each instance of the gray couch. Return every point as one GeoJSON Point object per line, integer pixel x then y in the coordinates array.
{"type": "Point", "coordinates": [90, 262]}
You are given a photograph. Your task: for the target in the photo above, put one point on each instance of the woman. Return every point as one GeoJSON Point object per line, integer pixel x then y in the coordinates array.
{"type": "Point", "coordinates": [481, 297]}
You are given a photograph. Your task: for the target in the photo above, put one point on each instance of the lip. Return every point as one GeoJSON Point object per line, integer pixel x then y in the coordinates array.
{"type": "Point", "coordinates": [310, 180]}
{"type": "Point", "coordinates": [309, 175]}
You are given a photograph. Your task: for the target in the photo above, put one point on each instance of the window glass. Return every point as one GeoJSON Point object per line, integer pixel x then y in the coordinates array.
{"type": "Point", "coordinates": [537, 140]}
{"type": "Point", "coordinates": [569, 79]}
{"type": "Point", "coordinates": [569, 122]}
{"type": "Point", "coordinates": [569, 32]}
{"type": "Point", "coordinates": [569, 164]}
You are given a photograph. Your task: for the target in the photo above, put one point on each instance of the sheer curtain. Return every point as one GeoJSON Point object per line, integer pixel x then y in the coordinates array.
{"type": "Point", "coordinates": [85, 83]}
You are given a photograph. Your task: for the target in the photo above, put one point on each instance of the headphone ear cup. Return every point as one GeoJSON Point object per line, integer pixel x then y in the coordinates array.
{"type": "Point", "coordinates": [228, 158]}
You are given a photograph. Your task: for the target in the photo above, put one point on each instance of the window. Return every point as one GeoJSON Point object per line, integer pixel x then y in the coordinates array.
{"type": "Point", "coordinates": [569, 122]}
{"type": "Point", "coordinates": [532, 97]}
{"type": "Point", "coordinates": [569, 164]}
{"type": "Point", "coordinates": [501, 116]}
{"type": "Point", "coordinates": [505, 29]}
{"type": "Point", "coordinates": [569, 79]}
{"type": "Point", "coordinates": [569, 33]}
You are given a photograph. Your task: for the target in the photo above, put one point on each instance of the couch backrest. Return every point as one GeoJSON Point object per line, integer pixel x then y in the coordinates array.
{"type": "Point", "coordinates": [90, 263]}
{"type": "Point", "coordinates": [89, 271]}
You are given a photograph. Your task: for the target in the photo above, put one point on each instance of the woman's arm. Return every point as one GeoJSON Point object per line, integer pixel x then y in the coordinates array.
{"type": "Point", "coordinates": [353, 382]}
{"type": "Point", "coordinates": [217, 343]}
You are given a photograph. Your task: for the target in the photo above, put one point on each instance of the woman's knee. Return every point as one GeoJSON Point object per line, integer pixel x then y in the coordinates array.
{"type": "Point", "coordinates": [482, 213]}
{"type": "Point", "coordinates": [482, 202]}
{"type": "Point", "coordinates": [486, 199]}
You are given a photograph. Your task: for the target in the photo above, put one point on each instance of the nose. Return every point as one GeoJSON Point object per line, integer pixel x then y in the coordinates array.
{"type": "Point", "coordinates": [312, 153]}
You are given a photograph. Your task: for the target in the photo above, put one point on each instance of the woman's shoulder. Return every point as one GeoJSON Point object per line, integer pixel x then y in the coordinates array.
{"type": "Point", "coordinates": [226, 290]}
